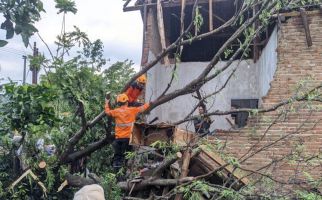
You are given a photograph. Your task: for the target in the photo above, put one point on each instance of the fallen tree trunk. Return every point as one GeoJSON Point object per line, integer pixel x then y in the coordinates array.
{"type": "Point", "coordinates": [166, 164]}
{"type": "Point", "coordinates": [78, 181]}
{"type": "Point", "coordinates": [135, 185]}
{"type": "Point", "coordinates": [184, 168]}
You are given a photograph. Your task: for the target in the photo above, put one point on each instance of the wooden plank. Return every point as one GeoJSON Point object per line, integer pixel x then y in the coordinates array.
{"type": "Point", "coordinates": [306, 27]}
{"type": "Point", "coordinates": [167, 4]}
{"type": "Point", "coordinates": [144, 41]}
{"type": "Point", "coordinates": [211, 26]}
{"type": "Point", "coordinates": [221, 162]}
{"type": "Point", "coordinates": [161, 31]}
{"type": "Point", "coordinates": [136, 136]}
{"type": "Point", "coordinates": [256, 39]}
{"type": "Point", "coordinates": [184, 168]}
{"type": "Point", "coordinates": [297, 14]}
{"type": "Point", "coordinates": [207, 164]}
{"type": "Point", "coordinates": [183, 6]}
{"type": "Point", "coordinates": [182, 137]}
{"type": "Point", "coordinates": [156, 135]}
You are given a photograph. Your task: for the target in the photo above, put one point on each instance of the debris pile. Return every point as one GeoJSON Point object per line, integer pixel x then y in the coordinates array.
{"type": "Point", "coordinates": [166, 156]}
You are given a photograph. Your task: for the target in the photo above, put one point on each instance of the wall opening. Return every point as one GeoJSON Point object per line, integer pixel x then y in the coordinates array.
{"type": "Point", "coordinates": [242, 117]}
{"type": "Point", "coordinates": [205, 49]}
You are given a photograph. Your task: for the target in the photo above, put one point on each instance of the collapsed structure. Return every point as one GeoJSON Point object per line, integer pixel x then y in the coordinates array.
{"type": "Point", "coordinates": [278, 143]}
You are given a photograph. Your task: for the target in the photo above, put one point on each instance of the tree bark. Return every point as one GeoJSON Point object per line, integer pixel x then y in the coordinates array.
{"type": "Point", "coordinates": [127, 186]}
{"type": "Point", "coordinates": [184, 168]}
{"type": "Point", "coordinates": [78, 181]}
{"type": "Point", "coordinates": [166, 164]}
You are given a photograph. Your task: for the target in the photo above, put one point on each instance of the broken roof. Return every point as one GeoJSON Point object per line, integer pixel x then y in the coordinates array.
{"type": "Point", "coordinates": [139, 4]}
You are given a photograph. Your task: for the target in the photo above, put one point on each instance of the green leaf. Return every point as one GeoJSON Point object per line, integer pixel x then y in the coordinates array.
{"type": "Point", "coordinates": [25, 39]}
{"type": "Point", "coordinates": [18, 29]}
{"type": "Point", "coordinates": [31, 28]}
{"type": "Point", "coordinates": [3, 43]}
{"type": "Point", "coordinates": [10, 33]}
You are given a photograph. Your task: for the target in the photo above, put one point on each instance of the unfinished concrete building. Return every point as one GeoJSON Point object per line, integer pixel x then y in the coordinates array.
{"type": "Point", "coordinates": [290, 51]}
{"type": "Point", "coordinates": [250, 82]}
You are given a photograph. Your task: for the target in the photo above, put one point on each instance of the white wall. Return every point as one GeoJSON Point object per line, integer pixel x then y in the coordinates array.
{"type": "Point", "coordinates": [267, 64]}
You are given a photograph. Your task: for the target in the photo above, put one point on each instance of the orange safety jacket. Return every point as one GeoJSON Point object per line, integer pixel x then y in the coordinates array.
{"type": "Point", "coordinates": [124, 119]}
{"type": "Point", "coordinates": [133, 92]}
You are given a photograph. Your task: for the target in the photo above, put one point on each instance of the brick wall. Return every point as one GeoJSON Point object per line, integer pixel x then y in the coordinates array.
{"type": "Point", "coordinates": [296, 129]}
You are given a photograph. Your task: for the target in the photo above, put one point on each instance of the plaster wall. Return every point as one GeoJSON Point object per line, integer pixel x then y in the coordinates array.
{"type": "Point", "coordinates": [244, 84]}
{"type": "Point", "coordinates": [267, 64]}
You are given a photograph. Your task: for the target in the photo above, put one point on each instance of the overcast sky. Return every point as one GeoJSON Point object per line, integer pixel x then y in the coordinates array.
{"type": "Point", "coordinates": [121, 33]}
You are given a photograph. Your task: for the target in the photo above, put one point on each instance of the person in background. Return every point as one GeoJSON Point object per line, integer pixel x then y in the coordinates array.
{"type": "Point", "coordinates": [124, 121]}
{"type": "Point", "coordinates": [135, 90]}
{"type": "Point", "coordinates": [202, 123]}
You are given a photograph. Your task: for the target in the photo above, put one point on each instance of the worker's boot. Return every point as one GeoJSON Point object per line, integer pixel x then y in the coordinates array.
{"type": "Point", "coordinates": [117, 165]}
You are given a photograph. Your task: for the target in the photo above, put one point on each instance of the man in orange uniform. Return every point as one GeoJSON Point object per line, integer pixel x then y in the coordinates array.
{"type": "Point", "coordinates": [135, 90]}
{"type": "Point", "coordinates": [124, 122]}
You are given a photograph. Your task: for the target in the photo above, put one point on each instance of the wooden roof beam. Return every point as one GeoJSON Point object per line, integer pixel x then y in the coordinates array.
{"type": "Point", "coordinates": [166, 4]}
{"type": "Point", "coordinates": [306, 27]}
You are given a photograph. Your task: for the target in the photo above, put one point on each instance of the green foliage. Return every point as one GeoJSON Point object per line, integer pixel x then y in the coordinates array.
{"type": "Point", "coordinates": [25, 105]}
{"type": "Point", "coordinates": [198, 20]}
{"type": "Point", "coordinates": [166, 148]}
{"type": "Point", "coordinates": [130, 155]}
{"type": "Point", "coordinates": [69, 40]}
{"type": "Point", "coordinates": [228, 52]}
{"type": "Point", "coordinates": [36, 62]}
{"type": "Point", "coordinates": [65, 6]}
{"type": "Point", "coordinates": [230, 194]}
{"type": "Point", "coordinates": [48, 111]}
{"type": "Point", "coordinates": [195, 190]}
{"type": "Point", "coordinates": [93, 55]}
{"type": "Point", "coordinates": [304, 195]}
{"type": "Point", "coordinates": [112, 191]}
{"type": "Point", "coordinates": [3, 43]}
{"type": "Point", "coordinates": [264, 17]}
{"type": "Point", "coordinates": [19, 18]}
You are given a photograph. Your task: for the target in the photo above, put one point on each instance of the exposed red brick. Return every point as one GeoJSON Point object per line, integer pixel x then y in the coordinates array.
{"type": "Point", "coordinates": [296, 61]}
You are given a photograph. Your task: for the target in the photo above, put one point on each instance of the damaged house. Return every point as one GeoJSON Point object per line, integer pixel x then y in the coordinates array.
{"type": "Point", "coordinates": [282, 62]}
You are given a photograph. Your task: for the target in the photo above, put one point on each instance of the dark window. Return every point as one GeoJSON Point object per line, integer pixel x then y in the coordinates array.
{"type": "Point", "coordinates": [241, 117]}
{"type": "Point", "coordinates": [205, 49]}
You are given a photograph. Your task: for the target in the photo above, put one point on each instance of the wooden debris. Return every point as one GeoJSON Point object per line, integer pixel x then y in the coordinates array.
{"type": "Point", "coordinates": [42, 164]}
{"type": "Point", "coordinates": [306, 27]}
{"type": "Point", "coordinates": [166, 172]}
{"type": "Point", "coordinates": [183, 137]}
{"type": "Point", "coordinates": [78, 181]}
{"type": "Point", "coordinates": [61, 187]}
{"type": "Point", "coordinates": [29, 172]}
{"type": "Point", "coordinates": [296, 13]}
{"type": "Point", "coordinates": [166, 4]}
{"type": "Point", "coordinates": [166, 164]}
{"type": "Point", "coordinates": [212, 161]}
{"type": "Point", "coordinates": [183, 6]}
{"type": "Point", "coordinates": [161, 31]}
{"type": "Point", "coordinates": [127, 186]}
{"type": "Point", "coordinates": [184, 168]}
